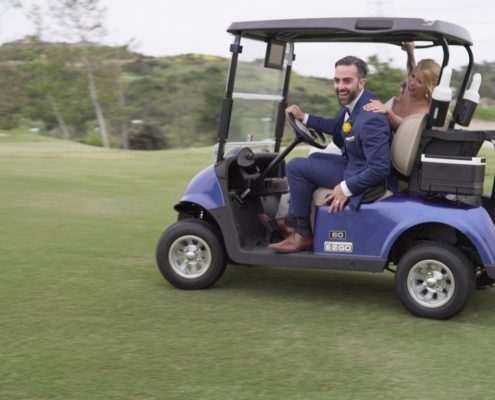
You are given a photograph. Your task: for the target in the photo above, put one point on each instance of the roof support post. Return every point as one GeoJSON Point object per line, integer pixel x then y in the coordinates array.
{"type": "Point", "coordinates": [226, 113]}
{"type": "Point", "coordinates": [279, 127]}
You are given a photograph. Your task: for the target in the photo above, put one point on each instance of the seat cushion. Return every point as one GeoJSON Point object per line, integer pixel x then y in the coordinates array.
{"type": "Point", "coordinates": [406, 142]}
{"type": "Point", "coordinates": [319, 196]}
{"type": "Point", "coordinates": [321, 193]}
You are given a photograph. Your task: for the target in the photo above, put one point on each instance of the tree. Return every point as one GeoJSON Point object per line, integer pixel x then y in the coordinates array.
{"type": "Point", "coordinates": [83, 20]}
{"type": "Point", "coordinates": [147, 137]}
{"type": "Point", "coordinates": [384, 80]}
{"type": "Point", "coordinates": [34, 14]}
{"type": "Point", "coordinates": [121, 101]}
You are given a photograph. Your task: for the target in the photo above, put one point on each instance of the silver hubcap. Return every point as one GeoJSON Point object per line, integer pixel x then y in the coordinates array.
{"type": "Point", "coordinates": [431, 283]}
{"type": "Point", "coordinates": [189, 256]}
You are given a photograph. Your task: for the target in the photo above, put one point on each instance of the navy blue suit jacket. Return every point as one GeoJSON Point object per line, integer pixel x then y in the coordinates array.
{"type": "Point", "coordinates": [366, 148]}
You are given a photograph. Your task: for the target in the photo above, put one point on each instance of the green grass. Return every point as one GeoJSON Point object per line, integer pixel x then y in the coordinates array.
{"type": "Point", "coordinates": [486, 113]}
{"type": "Point", "coordinates": [85, 313]}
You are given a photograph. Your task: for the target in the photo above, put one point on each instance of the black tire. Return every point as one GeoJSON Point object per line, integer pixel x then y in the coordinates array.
{"type": "Point", "coordinates": [434, 280]}
{"type": "Point", "coordinates": [190, 254]}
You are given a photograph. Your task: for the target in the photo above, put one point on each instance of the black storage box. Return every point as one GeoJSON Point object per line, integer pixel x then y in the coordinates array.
{"type": "Point", "coordinates": [447, 174]}
{"type": "Point", "coordinates": [457, 143]}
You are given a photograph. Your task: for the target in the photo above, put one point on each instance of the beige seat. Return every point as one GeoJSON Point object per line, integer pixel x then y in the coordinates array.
{"type": "Point", "coordinates": [322, 192]}
{"type": "Point", "coordinates": [406, 142]}
{"type": "Point", "coordinates": [405, 145]}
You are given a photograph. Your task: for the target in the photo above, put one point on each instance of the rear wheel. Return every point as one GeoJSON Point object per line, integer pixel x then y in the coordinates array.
{"type": "Point", "coordinates": [190, 254]}
{"type": "Point", "coordinates": [434, 280]}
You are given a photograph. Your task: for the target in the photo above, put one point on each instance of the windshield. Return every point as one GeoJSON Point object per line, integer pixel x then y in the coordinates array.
{"type": "Point", "coordinates": [257, 95]}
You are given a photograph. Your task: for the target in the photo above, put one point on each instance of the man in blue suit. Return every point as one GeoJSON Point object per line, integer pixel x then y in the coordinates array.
{"type": "Point", "coordinates": [364, 138]}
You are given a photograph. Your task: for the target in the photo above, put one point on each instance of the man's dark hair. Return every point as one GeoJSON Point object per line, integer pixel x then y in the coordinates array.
{"type": "Point", "coordinates": [361, 66]}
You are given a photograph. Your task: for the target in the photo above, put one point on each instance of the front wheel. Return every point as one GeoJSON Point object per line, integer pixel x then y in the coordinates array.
{"type": "Point", "coordinates": [434, 280]}
{"type": "Point", "coordinates": [190, 254]}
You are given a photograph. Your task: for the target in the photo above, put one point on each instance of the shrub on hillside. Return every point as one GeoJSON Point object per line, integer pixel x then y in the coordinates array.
{"type": "Point", "coordinates": [146, 137]}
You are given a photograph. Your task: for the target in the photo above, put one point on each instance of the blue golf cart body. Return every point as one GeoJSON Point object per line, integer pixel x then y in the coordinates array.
{"type": "Point", "coordinates": [436, 233]}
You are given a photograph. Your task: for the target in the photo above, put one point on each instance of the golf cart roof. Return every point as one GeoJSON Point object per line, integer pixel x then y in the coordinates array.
{"type": "Point", "coordinates": [382, 30]}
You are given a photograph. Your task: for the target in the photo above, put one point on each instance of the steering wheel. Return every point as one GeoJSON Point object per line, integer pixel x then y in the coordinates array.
{"type": "Point", "coordinates": [310, 136]}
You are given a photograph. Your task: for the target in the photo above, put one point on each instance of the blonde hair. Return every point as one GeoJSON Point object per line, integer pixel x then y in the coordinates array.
{"type": "Point", "coordinates": [431, 69]}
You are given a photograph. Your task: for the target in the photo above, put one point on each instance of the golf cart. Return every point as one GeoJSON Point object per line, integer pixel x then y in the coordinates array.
{"type": "Point", "coordinates": [436, 233]}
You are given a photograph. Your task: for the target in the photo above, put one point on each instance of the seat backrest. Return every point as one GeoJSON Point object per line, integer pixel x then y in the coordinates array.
{"type": "Point", "coordinates": [406, 142]}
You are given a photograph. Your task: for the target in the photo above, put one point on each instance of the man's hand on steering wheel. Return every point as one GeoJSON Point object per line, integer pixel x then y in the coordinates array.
{"type": "Point", "coordinates": [310, 136]}
{"type": "Point", "coordinates": [295, 111]}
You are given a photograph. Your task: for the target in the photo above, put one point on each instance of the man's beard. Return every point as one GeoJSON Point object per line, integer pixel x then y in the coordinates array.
{"type": "Point", "coordinates": [349, 96]}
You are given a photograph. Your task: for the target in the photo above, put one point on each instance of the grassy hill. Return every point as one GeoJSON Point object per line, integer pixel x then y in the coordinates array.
{"type": "Point", "coordinates": [86, 315]}
{"type": "Point", "coordinates": [176, 100]}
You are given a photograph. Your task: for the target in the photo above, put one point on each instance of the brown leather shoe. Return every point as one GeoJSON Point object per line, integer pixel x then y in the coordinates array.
{"type": "Point", "coordinates": [293, 244]}
{"type": "Point", "coordinates": [288, 240]}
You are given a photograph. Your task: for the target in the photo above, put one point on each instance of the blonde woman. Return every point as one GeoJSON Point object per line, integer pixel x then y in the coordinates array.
{"type": "Point", "coordinates": [415, 97]}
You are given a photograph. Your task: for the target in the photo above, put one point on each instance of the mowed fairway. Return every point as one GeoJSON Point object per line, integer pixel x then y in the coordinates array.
{"type": "Point", "coordinates": [85, 314]}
